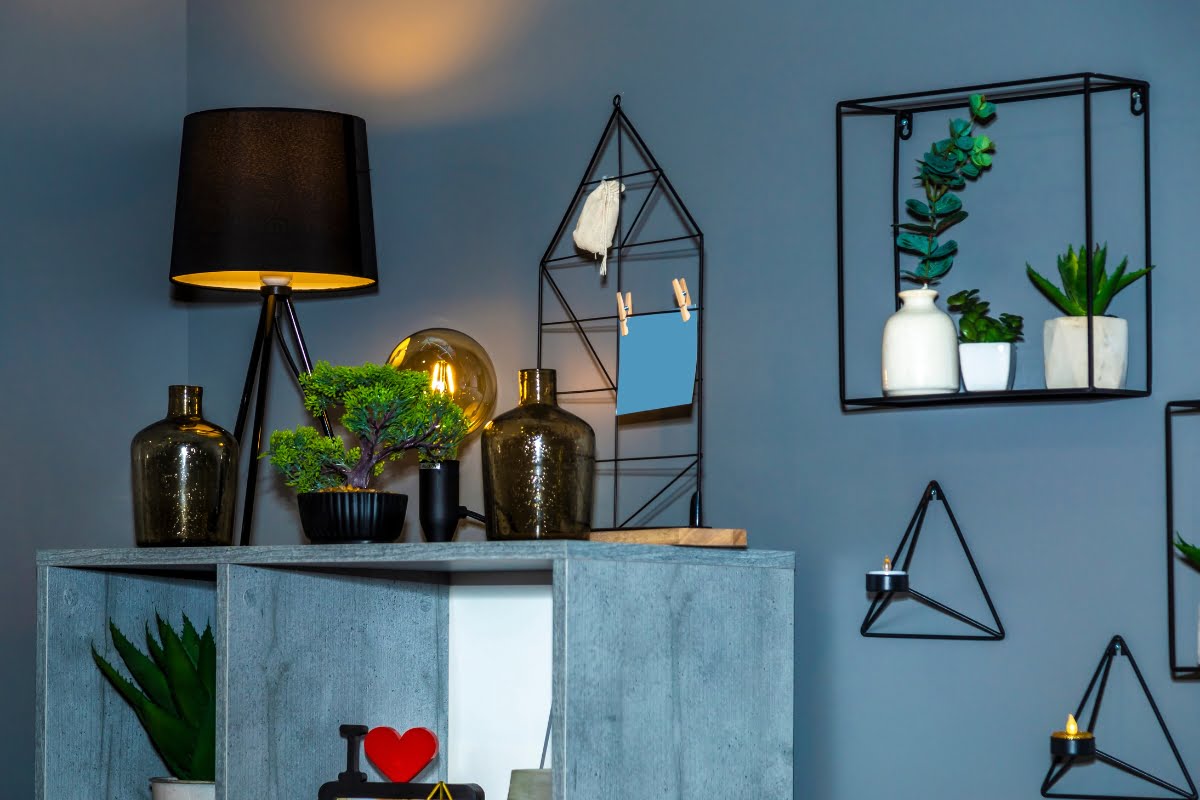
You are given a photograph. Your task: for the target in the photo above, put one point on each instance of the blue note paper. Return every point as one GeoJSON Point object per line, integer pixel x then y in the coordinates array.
{"type": "Point", "coordinates": [658, 363]}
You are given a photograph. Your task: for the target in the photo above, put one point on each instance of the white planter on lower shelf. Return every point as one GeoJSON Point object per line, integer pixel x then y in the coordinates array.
{"type": "Point", "coordinates": [986, 367]}
{"type": "Point", "coordinates": [1066, 352]}
{"type": "Point", "coordinates": [171, 789]}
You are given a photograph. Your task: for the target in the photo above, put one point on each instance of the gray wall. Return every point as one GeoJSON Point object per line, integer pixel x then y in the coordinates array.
{"type": "Point", "coordinates": [92, 95]}
{"type": "Point", "coordinates": [480, 121]}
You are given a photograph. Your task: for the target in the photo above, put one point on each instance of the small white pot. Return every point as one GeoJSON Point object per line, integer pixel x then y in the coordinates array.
{"type": "Point", "coordinates": [171, 789]}
{"type": "Point", "coordinates": [920, 347]}
{"type": "Point", "coordinates": [1065, 349]}
{"type": "Point", "coordinates": [986, 367]}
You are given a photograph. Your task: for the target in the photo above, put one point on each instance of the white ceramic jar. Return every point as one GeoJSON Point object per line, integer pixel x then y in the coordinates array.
{"type": "Point", "coordinates": [920, 347]}
{"type": "Point", "coordinates": [1064, 343]}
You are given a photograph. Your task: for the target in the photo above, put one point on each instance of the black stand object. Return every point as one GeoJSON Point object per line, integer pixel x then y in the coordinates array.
{"type": "Point", "coordinates": [682, 240]}
{"type": "Point", "coordinates": [883, 599]}
{"type": "Point", "coordinates": [1060, 765]}
{"type": "Point", "coordinates": [353, 782]}
{"type": "Point", "coordinates": [276, 299]}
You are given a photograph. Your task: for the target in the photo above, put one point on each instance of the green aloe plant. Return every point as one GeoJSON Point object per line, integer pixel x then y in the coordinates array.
{"type": "Point", "coordinates": [175, 695]}
{"type": "Point", "coordinates": [976, 326]}
{"type": "Point", "coordinates": [1072, 299]}
{"type": "Point", "coordinates": [941, 172]}
{"type": "Point", "coordinates": [1188, 551]}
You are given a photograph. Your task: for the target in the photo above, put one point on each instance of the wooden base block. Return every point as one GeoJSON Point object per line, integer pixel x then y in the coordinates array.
{"type": "Point", "coordinates": [686, 537]}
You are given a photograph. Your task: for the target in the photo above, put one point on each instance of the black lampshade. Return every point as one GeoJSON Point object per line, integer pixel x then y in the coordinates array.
{"type": "Point", "coordinates": [273, 191]}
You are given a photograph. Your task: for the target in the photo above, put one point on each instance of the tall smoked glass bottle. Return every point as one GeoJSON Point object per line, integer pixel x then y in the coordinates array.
{"type": "Point", "coordinates": [539, 466]}
{"type": "Point", "coordinates": [184, 477]}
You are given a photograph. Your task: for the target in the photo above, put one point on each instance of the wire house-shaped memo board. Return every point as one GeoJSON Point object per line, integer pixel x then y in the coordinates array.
{"type": "Point", "coordinates": [659, 241]}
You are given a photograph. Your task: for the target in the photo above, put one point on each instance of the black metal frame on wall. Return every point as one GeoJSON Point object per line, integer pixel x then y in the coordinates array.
{"type": "Point", "coordinates": [1061, 765]}
{"type": "Point", "coordinates": [619, 131]}
{"type": "Point", "coordinates": [906, 549]}
{"type": "Point", "coordinates": [1173, 409]}
{"type": "Point", "coordinates": [902, 107]}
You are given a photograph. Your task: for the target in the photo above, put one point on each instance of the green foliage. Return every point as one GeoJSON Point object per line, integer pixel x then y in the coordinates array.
{"type": "Point", "coordinates": [1188, 551]}
{"type": "Point", "coordinates": [976, 326]}
{"type": "Point", "coordinates": [943, 171]}
{"type": "Point", "coordinates": [175, 694]}
{"type": "Point", "coordinates": [387, 411]}
{"type": "Point", "coordinates": [1072, 299]}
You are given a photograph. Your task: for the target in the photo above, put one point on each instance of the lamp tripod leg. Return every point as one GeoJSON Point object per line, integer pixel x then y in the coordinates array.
{"type": "Point", "coordinates": [261, 358]}
{"type": "Point", "coordinates": [302, 350]}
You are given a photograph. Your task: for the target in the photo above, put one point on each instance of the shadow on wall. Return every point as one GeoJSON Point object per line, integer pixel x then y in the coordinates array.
{"type": "Point", "coordinates": [451, 60]}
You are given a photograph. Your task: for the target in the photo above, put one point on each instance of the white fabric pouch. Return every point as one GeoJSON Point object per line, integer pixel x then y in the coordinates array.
{"type": "Point", "coordinates": [598, 221]}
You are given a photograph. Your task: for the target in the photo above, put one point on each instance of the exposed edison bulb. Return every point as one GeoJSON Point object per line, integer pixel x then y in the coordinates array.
{"type": "Point", "coordinates": [458, 366]}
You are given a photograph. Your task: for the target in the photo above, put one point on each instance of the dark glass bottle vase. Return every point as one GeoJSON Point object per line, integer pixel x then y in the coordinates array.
{"type": "Point", "coordinates": [539, 467]}
{"type": "Point", "coordinates": [184, 477]}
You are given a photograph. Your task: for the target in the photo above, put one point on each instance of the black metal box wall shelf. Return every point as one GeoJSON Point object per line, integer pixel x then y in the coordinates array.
{"type": "Point", "coordinates": [1182, 428]}
{"type": "Point", "coordinates": [1071, 167]}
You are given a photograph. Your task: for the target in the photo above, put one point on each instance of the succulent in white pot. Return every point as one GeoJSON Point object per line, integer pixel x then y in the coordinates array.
{"type": "Point", "coordinates": [1065, 339]}
{"type": "Point", "coordinates": [920, 354]}
{"type": "Point", "coordinates": [175, 700]}
{"type": "Point", "coordinates": [987, 346]}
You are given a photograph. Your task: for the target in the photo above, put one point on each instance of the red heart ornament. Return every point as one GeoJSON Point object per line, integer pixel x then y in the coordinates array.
{"type": "Point", "coordinates": [398, 757]}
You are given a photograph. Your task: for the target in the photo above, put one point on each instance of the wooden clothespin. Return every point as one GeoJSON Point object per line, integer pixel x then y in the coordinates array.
{"type": "Point", "coordinates": [682, 299]}
{"type": "Point", "coordinates": [624, 311]}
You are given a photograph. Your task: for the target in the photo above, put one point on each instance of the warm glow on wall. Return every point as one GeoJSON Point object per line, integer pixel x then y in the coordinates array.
{"type": "Point", "coordinates": [405, 48]}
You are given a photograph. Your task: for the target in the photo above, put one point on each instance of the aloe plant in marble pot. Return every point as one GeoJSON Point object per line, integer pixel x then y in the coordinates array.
{"type": "Point", "coordinates": [173, 694]}
{"type": "Point", "coordinates": [1065, 339]}
{"type": "Point", "coordinates": [387, 412]}
{"type": "Point", "coordinates": [986, 345]}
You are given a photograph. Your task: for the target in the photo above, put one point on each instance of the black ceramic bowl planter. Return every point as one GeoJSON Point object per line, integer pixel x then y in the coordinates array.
{"type": "Point", "coordinates": [352, 517]}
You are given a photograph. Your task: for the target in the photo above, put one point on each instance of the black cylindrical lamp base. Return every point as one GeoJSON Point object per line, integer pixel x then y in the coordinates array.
{"type": "Point", "coordinates": [439, 501]}
{"type": "Point", "coordinates": [887, 581]}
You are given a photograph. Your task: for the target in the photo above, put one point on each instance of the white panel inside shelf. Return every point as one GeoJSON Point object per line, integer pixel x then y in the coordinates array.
{"type": "Point", "coordinates": [500, 680]}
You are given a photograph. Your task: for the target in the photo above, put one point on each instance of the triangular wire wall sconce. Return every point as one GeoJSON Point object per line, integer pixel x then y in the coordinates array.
{"type": "Point", "coordinates": [1060, 765]}
{"type": "Point", "coordinates": [688, 244]}
{"type": "Point", "coordinates": [908, 546]}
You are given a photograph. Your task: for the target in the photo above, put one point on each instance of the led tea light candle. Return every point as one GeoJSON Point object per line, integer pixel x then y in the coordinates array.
{"type": "Point", "coordinates": [887, 579]}
{"type": "Point", "coordinates": [1072, 742]}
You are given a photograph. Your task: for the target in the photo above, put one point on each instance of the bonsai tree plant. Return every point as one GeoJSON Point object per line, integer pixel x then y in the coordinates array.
{"type": "Point", "coordinates": [387, 412]}
{"type": "Point", "coordinates": [919, 351]}
{"type": "Point", "coordinates": [174, 698]}
{"type": "Point", "coordinates": [1065, 338]}
{"type": "Point", "coordinates": [985, 349]}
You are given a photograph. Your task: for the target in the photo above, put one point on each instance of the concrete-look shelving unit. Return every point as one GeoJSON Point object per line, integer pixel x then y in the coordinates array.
{"type": "Point", "coordinates": [672, 668]}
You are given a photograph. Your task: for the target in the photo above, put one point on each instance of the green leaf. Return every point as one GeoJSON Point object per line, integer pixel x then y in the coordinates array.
{"type": "Point", "coordinates": [917, 208]}
{"type": "Point", "coordinates": [916, 244]}
{"type": "Point", "coordinates": [948, 203]}
{"type": "Point", "coordinates": [956, 182]}
{"type": "Point", "coordinates": [970, 169]}
{"type": "Point", "coordinates": [1052, 293]}
{"type": "Point", "coordinates": [203, 764]}
{"type": "Point", "coordinates": [925, 230]}
{"type": "Point", "coordinates": [965, 143]}
{"type": "Point", "coordinates": [936, 268]}
{"type": "Point", "coordinates": [187, 689]}
{"type": "Point", "coordinates": [191, 640]}
{"type": "Point", "coordinates": [939, 164]}
{"type": "Point", "coordinates": [170, 736]}
{"type": "Point", "coordinates": [959, 128]}
{"type": "Point", "coordinates": [977, 101]}
{"type": "Point", "coordinates": [981, 159]}
{"type": "Point", "coordinates": [206, 664]}
{"type": "Point", "coordinates": [147, 674]}
{"type": "Point", "coordinates": [951, 219]}
{"type": "Point", "coordinates": [986, 111]}
{"type": "Point", "coordinates": [1190, 552]}
{"type": "Point", "coordinates": [982, 144]}
{"type": "Point", "coordinates": [155, 650]}
{"type": "Point", "coordinates": [944, 249]}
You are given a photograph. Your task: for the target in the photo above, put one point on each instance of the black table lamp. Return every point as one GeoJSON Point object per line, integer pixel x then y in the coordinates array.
{"type": "Point", "coordinates": [273, 201]}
